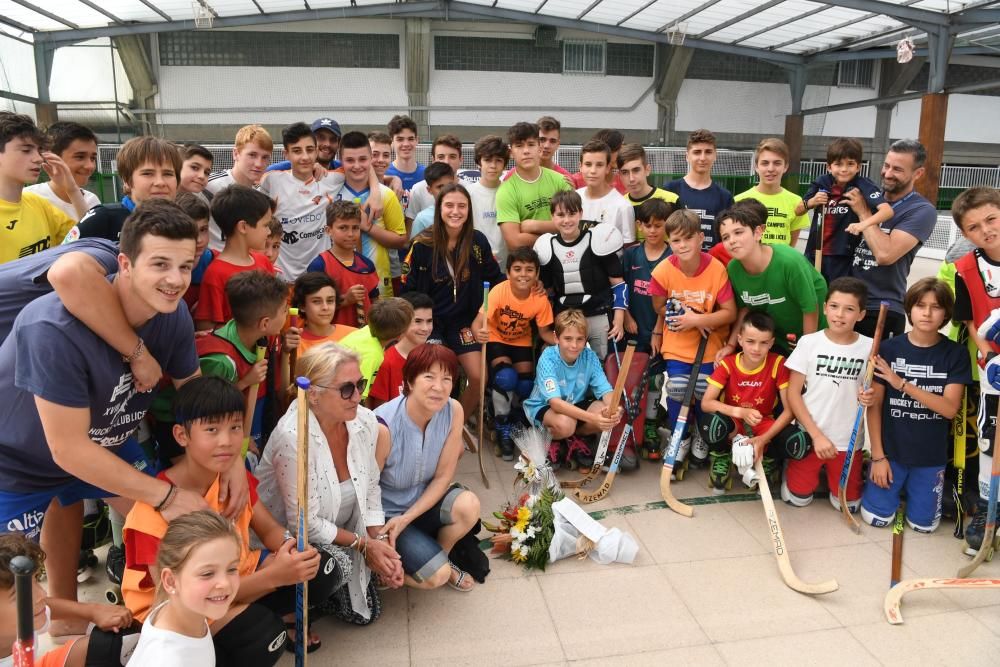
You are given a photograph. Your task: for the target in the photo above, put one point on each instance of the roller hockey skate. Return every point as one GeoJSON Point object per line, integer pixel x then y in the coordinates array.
{"type": "Point", "coordinates": [579, 453]}
{"type": "Point", "coordinates": [650, 449]}
{"type": "Point", "coordinates": [681, 461]}
{"type": "Point", "coordinates": [976, 530]}
{"type": "Point", "coordinates": [504, 443]}
{"type": "Point", "coordinates": [699, 451]}
{"type": "Point", "coordinates": [720, 477]}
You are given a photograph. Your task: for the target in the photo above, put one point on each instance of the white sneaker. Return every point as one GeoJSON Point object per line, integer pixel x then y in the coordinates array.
{"type": "Point", "coordinates": [699, 448]}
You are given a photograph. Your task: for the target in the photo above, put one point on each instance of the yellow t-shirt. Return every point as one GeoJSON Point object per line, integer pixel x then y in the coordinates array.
{"type": "Point", "coordinates": [657, 193]}
{"type": "Point", "coordinates": [781, 218]}
{"type": "Point", "coordinates": [30, 225]}
{"type": "Point", "coordinates": [392, 220]}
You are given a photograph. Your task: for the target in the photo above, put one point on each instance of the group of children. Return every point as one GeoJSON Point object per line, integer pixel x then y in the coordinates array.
{"type": "Point", "coordinates": [383, 254]}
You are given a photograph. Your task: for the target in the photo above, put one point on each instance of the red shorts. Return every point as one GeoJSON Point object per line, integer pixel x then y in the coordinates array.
{"type": "Point", "coordinates": [761, 428]}
{"type": "Point", "coordinates": [802, 476]}
{"type": "Point", "coordinates": [57, 656]}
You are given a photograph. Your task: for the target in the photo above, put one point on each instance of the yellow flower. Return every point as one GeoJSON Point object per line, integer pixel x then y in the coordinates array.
{"type": "Point", "coordinates": [517, 556]}
{"type": "Point", "coordinates": [523, 517]}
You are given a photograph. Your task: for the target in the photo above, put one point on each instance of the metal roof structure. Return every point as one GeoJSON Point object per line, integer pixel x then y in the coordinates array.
{"type": "Point", "coordinates": [792, 32]}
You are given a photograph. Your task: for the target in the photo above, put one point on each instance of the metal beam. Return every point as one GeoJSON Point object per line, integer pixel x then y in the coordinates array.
{"type": "Point", "coordinates": [794, 19]}
{"type": "Point", "coordinates": [18, 98]}
{"type": "Point", "coordinates": [467, 10]}
{"type": "Point", "coordinates": [14, 24]}
{"type": "Point", "coordinates": [741, 17]}
{"type": "Point", "coordinates": [798, 77]}
{"type": "Point", "coordinates": [50, 15]}
{"type": "Point", "coordinates": [99, 10]}
{"type": "Point", "coordinates": [901, 12]}
{"type": "Point", "coordinates": [43, 70]}
{"type": "Point", "coordinates": [832, 28]}
{"type": "Point", "coordinates": [166, 17]}
{"type": "Point", "coordinates": [641, 9]}
{"type": "Point", "coordinates": [4, 33]}
{"type": "Point", "coordinates": [257, 5]}
{"type": "Point", "coordinates": [976, 16]}
{"type": "Point", "coordinates": [389, 10]}
{"type": "Point", "coordinates": [684, 17]}
{"type": "Point", "coordinates": [588, 9]}
{"type": "Point", "coordinates": [878, 54]}
{"type": "Point", "coordinates": [939, 47]}
{"type": "Point", "coordinates": [871, 102]}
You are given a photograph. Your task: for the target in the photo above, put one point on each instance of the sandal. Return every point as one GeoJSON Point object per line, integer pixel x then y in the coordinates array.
{"type": "Point", "coordinates": [457, 584]}
{"type": "Point", "coordinates": [290, 644]}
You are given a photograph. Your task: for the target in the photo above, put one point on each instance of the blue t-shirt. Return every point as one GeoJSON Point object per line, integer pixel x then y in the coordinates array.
{"type": "Point", "coordinates": [24, 280]}
{"type": "Point", "coordinates": [408, 178]}
{"type": "Point", "coordinates": [52, 355]}
{"type": "Point", "coordinates": [914, 215]}
{"type": "Point", "coordinates": [423, 220]}
{"type": "Point", "coordinates": [638, 270]}
{"type": "Point", "coordinates": [285, 165]}
{"type": "Point", "coordinates": [554, 378]}
{"type": "Point", "coordinates": [836, 239]}
{"type": "Point", "coordinates": [707, 203]}
{"type": "Point", "coordinates": [913, 434]}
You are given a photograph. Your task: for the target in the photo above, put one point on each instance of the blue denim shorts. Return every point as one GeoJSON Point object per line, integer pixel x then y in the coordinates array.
{"type": "Point", "coordinates": [417, 545]}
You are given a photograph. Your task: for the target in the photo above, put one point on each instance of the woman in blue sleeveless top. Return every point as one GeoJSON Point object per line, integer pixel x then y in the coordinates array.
{"type": "Point", "coordinates": [426, 512]}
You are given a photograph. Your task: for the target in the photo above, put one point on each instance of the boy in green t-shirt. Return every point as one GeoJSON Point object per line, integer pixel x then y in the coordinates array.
{"type": "Point", "coordinates": [774, 279]}
{"type": "Point", "coordinates": [783, 225]}
{"type": "Point", "coordinates": [523, 199]}
{"type": "Point", "coordinates": [388, 320]}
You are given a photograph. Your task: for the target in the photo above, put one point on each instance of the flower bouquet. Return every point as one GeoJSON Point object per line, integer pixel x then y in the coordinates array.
{"type": "Point", "coordinates": [526, 527]}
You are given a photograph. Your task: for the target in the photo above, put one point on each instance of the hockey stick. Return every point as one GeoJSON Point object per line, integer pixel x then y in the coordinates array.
{"type": "Point", "coordinates": [897, 544]}
{"type": "Point", "coordinates": [251, 405]}
{"type": "Point", "coordinates": [23, 569]}
{"type": "Point", "coordinates": [818, 222]}
{"type": "Point", "coordinates": [602, 447]}
{"type": "Point", "coordinates": [869, 373]}
{"type": "Point", "coordinates": [302, 488]}
{"type": "Point", "coordinates": [781, 547]}
{"type": "Point", "coordinates": [958, 442]}
{"type": "Point", "coordinates": [986, 548]}
{"type": "Point", "coordinates": [678, 434]}
{"type": "Point", "coordinates": [631, 412]}
{"type": "Point", "coordinates": [482, 384]}
{"type": "Point", "coordinates": [895, 595]}
{"type": "Point", "coordinates": [288, 361]}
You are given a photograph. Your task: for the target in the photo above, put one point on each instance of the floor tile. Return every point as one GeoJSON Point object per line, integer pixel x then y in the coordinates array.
{"type": "Point", "coordinates": [448, 627]}
{"type": "Point", "coordinates": [815, 526]}
{"type": "Point", "coordinates": [631, 607]}
{"type": "Point", "coordinates": [954, 638]}
{"type": "Point", "coordinates": [672, 538]}
{"type": "Point", "coordinates": [833, 647]}
{"type": "Point", "coordinates": [687, 656]}
{"type": "Point", "coordinates": [587, 564]}
{"type": "Point", "coordinates": [744, 598]}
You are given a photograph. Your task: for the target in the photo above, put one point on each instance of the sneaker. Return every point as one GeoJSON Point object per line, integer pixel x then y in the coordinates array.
{"type": "Point", "coordinates": [115, 564]}
{"type": "Point", "coordinates": [976, 529]}
{"type": "Point", "coordinates": [699, 450]}
{"type": "Point", "coordinates": [557, 452]}
{"type": "Point", "coordinates": [504, 441]}
{"type": "Point", "coordinates": [630, 460]}
{"type": "Point", "coordinates": [719, 476]}
{"type": "Point", "coordinates": [579, 452]}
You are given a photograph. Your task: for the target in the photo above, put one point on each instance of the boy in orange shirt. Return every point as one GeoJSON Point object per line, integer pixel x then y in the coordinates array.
{"type": "Point", "coordinates": [316, 296]}
{"type": "Point", "coordinates": [692, 292]}
{"type": "Point", "coordinates": [513, 307]}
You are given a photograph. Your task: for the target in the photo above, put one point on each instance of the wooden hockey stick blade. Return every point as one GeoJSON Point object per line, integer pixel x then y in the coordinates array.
{"type": "Point", "coordinates": [595, 469]}
{"type": "Point", "coordinates": [780, 546]}
{"type": "Point", "coordinates": [668, 494]}
{"type": "Point", "coordinates": [852, 522]}
{"type": "Point", "coordinates": [601, 491]}
{"type": "Point", "coordinates": [984, 551]}
{"type": "Point", "coordinates": [989, 534]}
{"type": "Point", "coordinates": [895, 595]}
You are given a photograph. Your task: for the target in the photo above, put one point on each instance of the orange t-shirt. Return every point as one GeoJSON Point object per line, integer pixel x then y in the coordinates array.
{"type": "Point", "coordinates": [145, 527]}
{"type": "Point", "coordinates": [309, 340]}
{"type": "Point", "coordinates": [510, 318]}
{"type": "Point", "coordinates": [702, 292]}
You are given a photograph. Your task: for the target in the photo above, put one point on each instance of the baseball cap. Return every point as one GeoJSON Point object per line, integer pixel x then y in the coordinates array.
{"type": "Point", "coordinates": [327, 124]}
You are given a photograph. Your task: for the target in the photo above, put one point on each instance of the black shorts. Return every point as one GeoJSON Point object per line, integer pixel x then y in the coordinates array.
{"type": "Point", "coordinates": [583, 405]}
{"type": "Point", "coordinates": [449, 336]}
{"type": "Point", "coordinates": [517, 353]}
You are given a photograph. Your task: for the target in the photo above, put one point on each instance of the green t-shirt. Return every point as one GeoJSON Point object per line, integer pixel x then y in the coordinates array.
{"type": "Point", "coordinates": [369, 349]}
{"type": "Point", "coordinates": [788, 288]}
{"type": "Point", "coordinates": [781, 218]}
{"type": "Point", "coordinates": [220, 365]}
{"type": "Point", "coordinates": [518, 200]}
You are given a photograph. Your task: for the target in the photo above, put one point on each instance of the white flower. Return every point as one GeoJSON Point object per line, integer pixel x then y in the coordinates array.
{"type": "Point", "coordinates": [531, 532]}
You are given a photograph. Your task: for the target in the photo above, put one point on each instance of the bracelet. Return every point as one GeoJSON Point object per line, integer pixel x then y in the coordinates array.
{"type": "Point", "coordinates": [658, 333]}
{"type": "Point", "coordinates": [902, 386]}
{"type": "Point", "coordinates": [879, 460]}
{"type": "Point", "coordinates": [354, 544]}
{"type": "Point", "coordinates": [166, 499]}
{"type": "Point", "coordinates": [136, 353]}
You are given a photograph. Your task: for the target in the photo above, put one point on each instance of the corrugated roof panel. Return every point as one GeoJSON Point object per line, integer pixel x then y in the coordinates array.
{"type": "Point", "coordinates": [663, 12]}
{"type": "Point", "coordinates": [718, 14]}
{"type": "Point", "coordinates": [132, 10]}
{"type": "Point", "coordinates": [29, 18]}
{"type": "Point", "coordinates": [613, 11]}
{"type": "Point", "coordinates": [562, 8]}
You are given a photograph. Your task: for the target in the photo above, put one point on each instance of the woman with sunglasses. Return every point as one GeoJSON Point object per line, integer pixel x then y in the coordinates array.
{"type": "Point", "coordinates": [427, 511]}
{"type": "Point", "coordinates": [449, 261]}
{"type": "Point", "coordinates": [345, 503]}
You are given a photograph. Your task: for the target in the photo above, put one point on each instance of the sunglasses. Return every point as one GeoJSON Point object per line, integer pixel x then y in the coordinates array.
{"type": "Point", "coordinates": [348, 388]}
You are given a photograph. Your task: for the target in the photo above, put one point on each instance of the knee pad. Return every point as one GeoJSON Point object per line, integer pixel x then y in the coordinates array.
{"type": "Point", "coordinates": [112, 649]}
{"type": "Point", "coordinates": [504, 377]}
{"type": "Point", "coordinates": [796, 443]}
{"type": "Point", "coordinates": [715, 427]}
{"type": "Point", "coordinates": [793, 499]}
{"type": "Point", "coordinates": [525, 383]}
{"type": "Point", "coordinates": [852, 505]}
{"type": "Point", "coordinates": [924, 529]}
{"type": "Point", "coordinates": [874, 520]}
{"type": "Point", "coordinates": [255, 637]}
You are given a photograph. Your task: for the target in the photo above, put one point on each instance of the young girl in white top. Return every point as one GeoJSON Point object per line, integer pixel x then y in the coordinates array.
{"type": "Point", "coordinates": [197, 573]}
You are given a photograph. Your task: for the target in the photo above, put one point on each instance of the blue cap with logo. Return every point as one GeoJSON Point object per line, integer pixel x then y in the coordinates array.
{"type": "Point", "coordinates": [326, 124]}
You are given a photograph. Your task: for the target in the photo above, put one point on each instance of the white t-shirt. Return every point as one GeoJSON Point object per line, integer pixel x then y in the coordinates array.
{"type": "Point", "coordinates": [613, 208]}
{"type": "Point", "coordinates": [165, 648]}
{"type": "Point", "coordinates": [833, 378]}
{"type": "Point", "coordinates": [45, 190]}
{"type": "Point", "coordinates": [301, 211]}
{"type": "Point", "coordinates": [484, 218]}
{"type": "Point", "coordinates": [217, 182]}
